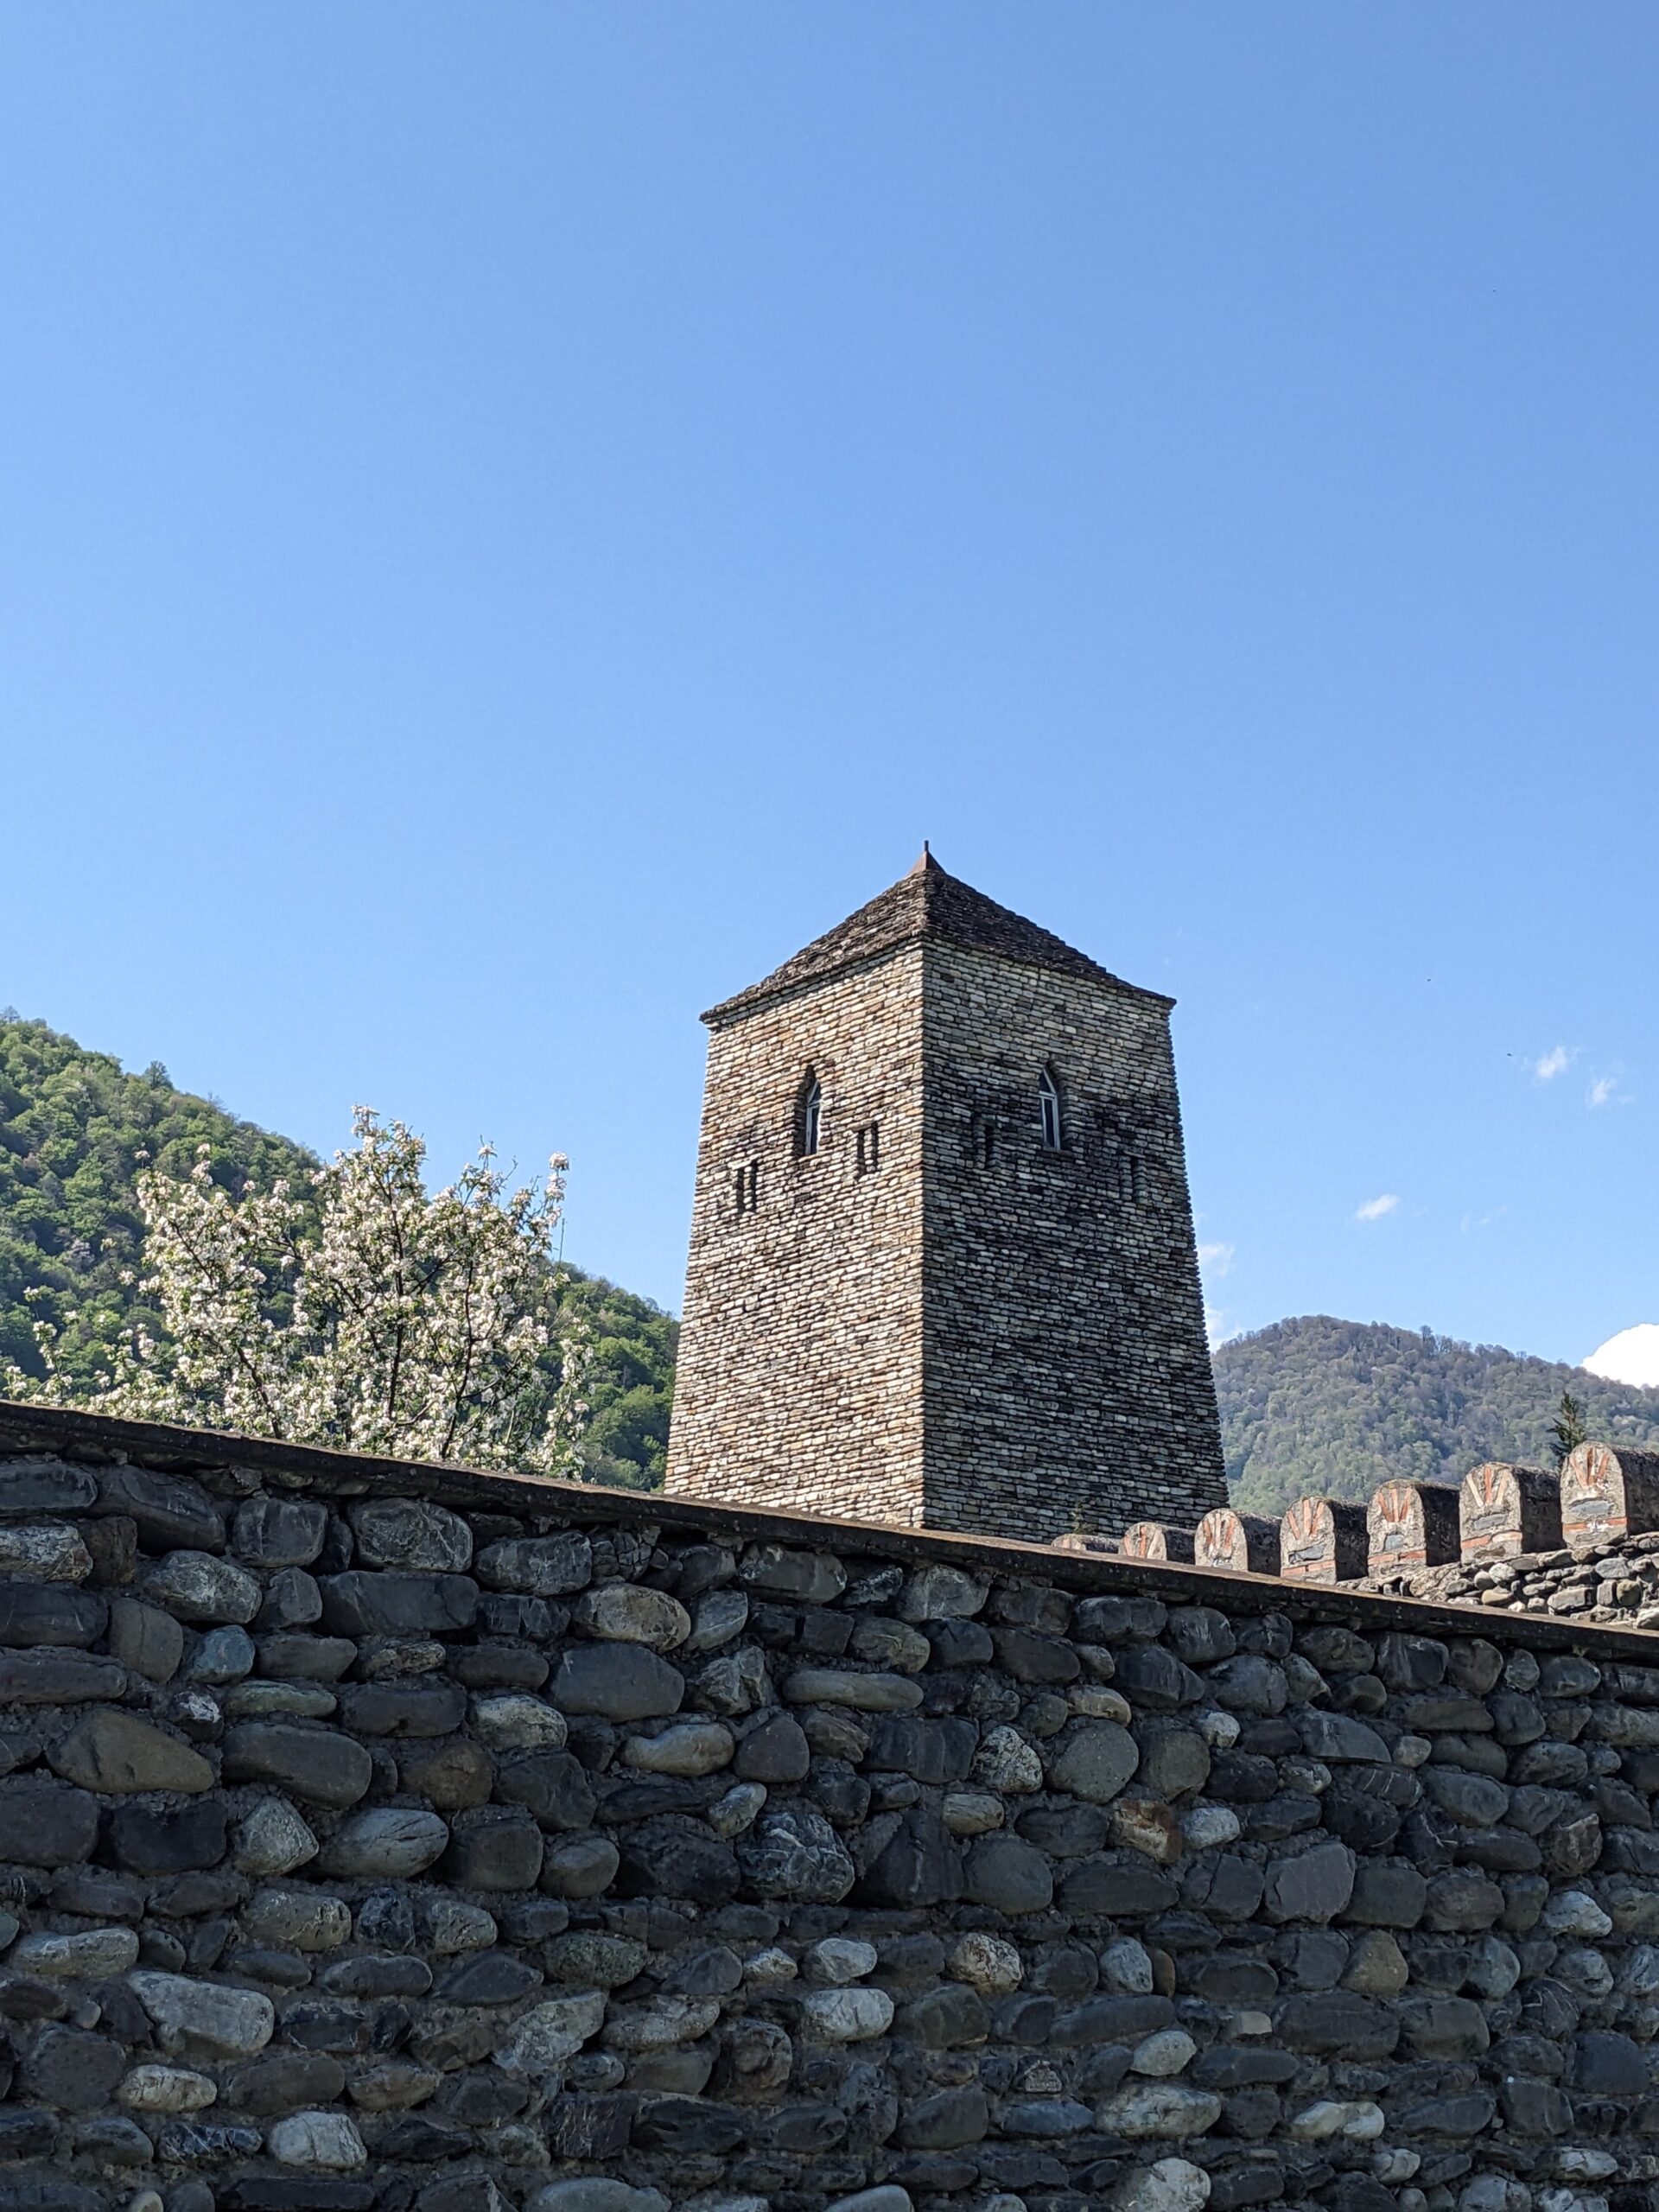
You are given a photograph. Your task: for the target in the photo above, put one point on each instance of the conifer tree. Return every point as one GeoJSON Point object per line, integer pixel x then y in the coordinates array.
{"type": "Point", "coordinates": [1568, 1430]}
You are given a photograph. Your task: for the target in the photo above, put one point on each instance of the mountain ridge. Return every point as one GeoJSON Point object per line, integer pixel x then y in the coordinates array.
{"type": "Point", "coordinates": [1315, 1405]}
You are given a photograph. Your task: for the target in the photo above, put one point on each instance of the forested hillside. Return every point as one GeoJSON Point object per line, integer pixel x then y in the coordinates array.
{"type": "Point", "coordinates": [1335, 1407]}
{"type": "Point", "coordinates": [73, 1128]}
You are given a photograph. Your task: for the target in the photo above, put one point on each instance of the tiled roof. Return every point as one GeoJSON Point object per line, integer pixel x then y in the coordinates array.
{"type": "Point", "coordinates": [926, 904]}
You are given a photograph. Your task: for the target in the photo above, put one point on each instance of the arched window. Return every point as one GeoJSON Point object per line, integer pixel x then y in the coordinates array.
{"type": "Point", "coordinates": [809, 1116]}
{"type": "Point", "coordinates": [1048, 1110]}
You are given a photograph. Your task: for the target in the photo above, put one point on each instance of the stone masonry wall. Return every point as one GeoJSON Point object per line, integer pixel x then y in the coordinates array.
{"type": "Point", "coordinates": [957, 1334]}
{"type": "Point", "coordinates": [799, 1382]}
{"type": "Point", "coordinates": [1068, 1380]}
{"type": "Point", "coordinates": [386, 1839]}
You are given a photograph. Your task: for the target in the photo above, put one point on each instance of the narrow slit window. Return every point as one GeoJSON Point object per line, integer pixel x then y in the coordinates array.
{"type": "Point", "coordinates": [746, 1187]}
{"type": "Point", "coordinates": [1048, 1110]}
{"type": "Point", "coordinates": [986, 1144]}
{"type": "Point", "coordinates": [869, 1148]}
{"type": "Point", "coordinates": [809, 1117]}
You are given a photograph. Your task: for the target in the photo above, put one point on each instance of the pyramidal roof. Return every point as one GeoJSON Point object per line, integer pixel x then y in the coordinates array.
{"type": "Point", "coordinates": [928, 904]}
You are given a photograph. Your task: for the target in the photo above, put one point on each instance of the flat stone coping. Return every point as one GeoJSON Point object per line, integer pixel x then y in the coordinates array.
{"type": "Point", "coordinates": [92, 1436]}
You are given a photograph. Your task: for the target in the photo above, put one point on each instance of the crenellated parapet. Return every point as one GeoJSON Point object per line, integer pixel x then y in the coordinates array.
{"type": "Point", "coordinates": [1157, 1540]}
{"type": "Point", "coordinates": [1411, 1525]}
{"type": "Point", "coordinates": [1506, 1509]}
{"type": "Point", "coordinates": [1582, 1540]}
{"type": "Point", "coordinates": [1322, 1540]}
{"type": "Point", "coordinates": [1238, 1543]}
{"type": "Point", "coordinates": [1608, 1491]}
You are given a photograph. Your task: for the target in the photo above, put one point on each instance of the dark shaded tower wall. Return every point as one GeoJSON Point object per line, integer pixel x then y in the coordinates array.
{"type": "Point", "coordinates": [1067, 1383]}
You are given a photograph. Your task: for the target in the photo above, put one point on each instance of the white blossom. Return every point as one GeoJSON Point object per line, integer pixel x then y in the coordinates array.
{"type": "Point", "coordinates": [370, 1316]}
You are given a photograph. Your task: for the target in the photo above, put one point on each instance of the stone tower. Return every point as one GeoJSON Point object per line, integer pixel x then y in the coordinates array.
{"type": "Point", "coordinates": [942, 1270]}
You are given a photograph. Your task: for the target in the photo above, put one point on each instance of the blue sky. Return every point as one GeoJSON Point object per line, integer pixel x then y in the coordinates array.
{"type": "Point", "coordinates": [514, 518]}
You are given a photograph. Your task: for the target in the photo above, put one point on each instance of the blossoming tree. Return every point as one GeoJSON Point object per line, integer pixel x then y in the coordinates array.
{"type": "Point", "coordinates": [367, 1315]}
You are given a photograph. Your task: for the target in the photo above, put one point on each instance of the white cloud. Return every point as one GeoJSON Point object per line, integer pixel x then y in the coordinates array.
{"type": "Point", "coordinates": [1374, 1208]}
{"type": "Point", "coordinates": [1632, 1356]}
{"type": "Point", "coordinates": [1601, 1091]}
{"type": "Point", "coordinates": [1215, 1260]}
{"type": "Point", "coordinates": [1554, 1062]}
{"type": "Point", "coordinates": [1218, 1325]}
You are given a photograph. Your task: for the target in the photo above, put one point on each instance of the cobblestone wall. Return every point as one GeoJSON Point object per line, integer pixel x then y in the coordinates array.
{"type": "Point", "coordinates": [381, 1837]}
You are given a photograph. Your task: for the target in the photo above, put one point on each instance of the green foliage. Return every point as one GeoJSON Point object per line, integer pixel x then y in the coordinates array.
{"type": "Point", "coordinates": [630, 1384]}
{"type": "Point", "coordinates": [1333, 1408]}
{"type": "Point", "coordinates": [74, 1130]}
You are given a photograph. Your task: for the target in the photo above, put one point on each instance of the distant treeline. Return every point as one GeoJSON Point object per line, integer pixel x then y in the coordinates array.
{"type": "Point", "coordinates": [1332, 1409]}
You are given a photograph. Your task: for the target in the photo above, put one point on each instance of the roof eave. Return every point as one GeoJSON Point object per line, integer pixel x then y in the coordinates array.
{"type": "Point", "coordinates": [767, 994]}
